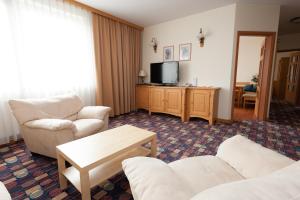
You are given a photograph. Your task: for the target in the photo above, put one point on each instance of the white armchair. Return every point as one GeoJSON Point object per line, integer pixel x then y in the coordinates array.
{"type": "Point", "coordinates": [46, 123]}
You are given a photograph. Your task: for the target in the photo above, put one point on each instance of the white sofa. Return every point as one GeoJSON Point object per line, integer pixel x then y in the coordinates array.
{"type": "Point", "coordinates": [4, 194]}
{"type": "Point", "coordinates": [241, 170]}
{"type": "Point", "coordinates": [46, 123]}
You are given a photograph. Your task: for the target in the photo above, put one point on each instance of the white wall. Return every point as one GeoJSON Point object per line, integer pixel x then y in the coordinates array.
{"type": "Point", "coordinates": [210, 64]}
{"type": "Point", "coordinates": [289, 42]}
{"type": "Point", "coordinates": [249, 57]}
{"type": "Point", "coordinates": [253, 17]}
{"type": "Point", "coordinates": [213, 64]}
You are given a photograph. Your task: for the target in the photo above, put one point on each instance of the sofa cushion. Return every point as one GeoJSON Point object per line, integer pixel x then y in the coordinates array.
{"type": "Point", "coordinates": [281, 185]}
{"type": "Point", "coordinates": [203, 172]}
{"type": "Point", "coordinates": [58, 107]}
{"type": "Point", "coordinates": [51, 124]}
{"type": "Point", "coordinates": [152, 179]}
{"type": "Point", "coordinates": [251, 159]}
{"type": "Point", "coordinates": [86, 127]}
{"type": "Point", "coordinates": [93, 112]}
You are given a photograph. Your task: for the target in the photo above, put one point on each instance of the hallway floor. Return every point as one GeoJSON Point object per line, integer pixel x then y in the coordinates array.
{"type": "Point", "coordinates": [240, 114]}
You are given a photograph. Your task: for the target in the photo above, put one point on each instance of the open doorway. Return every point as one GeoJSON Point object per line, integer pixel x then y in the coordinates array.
{"type": "Point", "coordinates": [252, 78]}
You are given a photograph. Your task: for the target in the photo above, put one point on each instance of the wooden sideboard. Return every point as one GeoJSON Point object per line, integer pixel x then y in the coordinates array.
{"type": "Point", "coordinates": [184, 102]}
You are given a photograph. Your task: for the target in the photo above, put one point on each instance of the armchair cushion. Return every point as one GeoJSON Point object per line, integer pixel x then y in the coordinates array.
{"type": "Point", "coordinates": [282, 184]}
{"type": "Point", "coordinates": [93, 112]}
{"type": "Point", "coordinates": [152, 179]}
{"type": "Point", "coordinates": [86, 127]}
{"type": "Point", "coordinates": [51, 124]}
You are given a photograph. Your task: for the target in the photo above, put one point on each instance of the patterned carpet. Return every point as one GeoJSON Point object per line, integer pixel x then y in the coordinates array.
{"type": "Point", "coordinates": [35, 177]}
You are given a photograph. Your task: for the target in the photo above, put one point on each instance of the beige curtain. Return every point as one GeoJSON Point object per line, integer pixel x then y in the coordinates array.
{"type": "Point", "coordinates": [117, 52]}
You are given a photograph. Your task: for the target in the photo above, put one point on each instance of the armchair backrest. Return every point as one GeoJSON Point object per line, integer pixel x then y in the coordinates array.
{"type": "Point", "coordinates": [58, 107]}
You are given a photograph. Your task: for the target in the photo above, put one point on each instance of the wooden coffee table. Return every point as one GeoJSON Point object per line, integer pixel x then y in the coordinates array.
{"type": "Point", "coordinates": [98, 157]}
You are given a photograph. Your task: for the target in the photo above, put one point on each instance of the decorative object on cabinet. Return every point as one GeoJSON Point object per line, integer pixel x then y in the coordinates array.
{"type": "Point", "coordinates": [142, 75]}
{"type": "Point", "coordinates": [168, 53]}
{"type": "Point", "coordinates": [153, 43]}
{"type": "Point", "coordinates": [185, 102]}
{"type": "Point", "coordinates": [185, 52]}
{"type": "Point", "coordinates": [201, 37]}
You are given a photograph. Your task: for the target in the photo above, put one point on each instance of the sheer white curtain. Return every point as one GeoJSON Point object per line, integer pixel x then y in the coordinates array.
{"type": "Point", "coordinates": [46, 48]}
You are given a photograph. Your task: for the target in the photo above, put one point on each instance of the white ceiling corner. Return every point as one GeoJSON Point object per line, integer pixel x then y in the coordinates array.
{"type": "Point", "coordinates": [149, 12]}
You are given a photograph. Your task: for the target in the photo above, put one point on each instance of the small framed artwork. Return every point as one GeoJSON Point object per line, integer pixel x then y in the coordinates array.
{"type": "Point", "coordinates": [168, 53]}
{"type": "Point", "coordinates": [185, 52]}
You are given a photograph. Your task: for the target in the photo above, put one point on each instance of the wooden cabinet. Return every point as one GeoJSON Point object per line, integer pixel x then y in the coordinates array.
{"type": "Point", "coordinates": [173, 101]}
{"type": "Point", "coordinates": [167, 100]}
{"type": "Point", "coordinates": [184, 102]}
{"type": "Point", "coordinates": [202, 102]}
{"type": "Point", "coordinates": [198, 102]}
{"type": "Point", "coordinates": [142, 97]}
{"type": "Point", "coordinates": [157, 99]}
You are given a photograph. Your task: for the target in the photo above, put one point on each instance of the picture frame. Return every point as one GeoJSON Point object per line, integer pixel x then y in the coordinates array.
{"type": "Point", "coordinates": [185, 51]}
{"type": "Point", "coordinates": [168, 53]}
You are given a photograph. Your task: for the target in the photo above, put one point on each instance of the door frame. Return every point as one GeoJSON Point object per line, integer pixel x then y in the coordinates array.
{"type": "Point", "coordinates": [267, 71]}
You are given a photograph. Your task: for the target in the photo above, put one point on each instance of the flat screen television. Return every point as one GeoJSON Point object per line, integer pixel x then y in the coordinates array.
{"type": "Point", "coordinates": [164, 73]}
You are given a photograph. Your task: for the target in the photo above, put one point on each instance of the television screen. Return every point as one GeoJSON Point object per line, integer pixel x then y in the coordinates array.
{"type": "Point", "coordinates": [164, 73]}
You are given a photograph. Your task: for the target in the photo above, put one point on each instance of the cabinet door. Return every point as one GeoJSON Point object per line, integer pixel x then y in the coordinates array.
{"type": "Point", "coordinates": [199, 103]}
{"type": "Point", "coordinates": [173, 101]}
{"type": "Point", "coordinates": [142, 97]}
{"type": "Point", "coordinates": [157, 99]}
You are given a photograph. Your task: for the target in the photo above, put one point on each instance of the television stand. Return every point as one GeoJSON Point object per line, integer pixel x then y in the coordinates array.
{"type": "Point", "coordinates": [184, 102]}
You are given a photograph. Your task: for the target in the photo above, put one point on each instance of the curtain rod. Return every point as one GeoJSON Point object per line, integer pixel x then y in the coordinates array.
{"type": "Point", "coordinates": [104, 14]}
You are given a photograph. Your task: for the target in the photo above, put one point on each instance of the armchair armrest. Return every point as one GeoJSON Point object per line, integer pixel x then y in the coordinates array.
{"type": "Point", "coordinates": [51, 124]}
{"type": "Point", "coordinates": [93, 112]}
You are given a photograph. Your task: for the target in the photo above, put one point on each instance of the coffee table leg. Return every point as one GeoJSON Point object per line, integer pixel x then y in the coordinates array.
{"type": "Point", "coordinates": [85, 185]}
{"type": "Point", "coordinates": [61, 167]}
{"type": "Point", "coordinates": [153, 147]}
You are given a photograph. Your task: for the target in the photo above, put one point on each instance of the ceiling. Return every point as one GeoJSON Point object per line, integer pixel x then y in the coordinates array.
{"type": "Point", "coordinates": [149, 12]}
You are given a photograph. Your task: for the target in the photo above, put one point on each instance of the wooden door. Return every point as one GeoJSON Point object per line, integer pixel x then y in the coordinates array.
{"type": "Point", "coordinates": [260, 78]}
{"type": "Point", "coordinates": [199, 103]}
{"type": "Point", "coordinates": [265, 72]}
{"type": "Point", "coordinates": [282, 76]}
{"type": "Point", "coordinates": [157, 99]}
{"type": "Point", "coordinates": [292, 85]}
{"type": "Point", "coordinates": [142, 97]}
{"type": "Point", "coordinates": [173, 101]}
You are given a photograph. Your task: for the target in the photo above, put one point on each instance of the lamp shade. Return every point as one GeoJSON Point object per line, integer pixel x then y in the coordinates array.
{"type": "Point", "coordinates": [142, 73]}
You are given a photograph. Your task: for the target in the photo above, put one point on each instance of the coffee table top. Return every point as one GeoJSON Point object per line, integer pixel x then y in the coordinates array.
{"type": "Point", "coordinates": [93, 150]}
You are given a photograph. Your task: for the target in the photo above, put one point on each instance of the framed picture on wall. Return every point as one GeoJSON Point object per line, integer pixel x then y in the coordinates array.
{"type": "Point", "coordinates": [185, 51]}
{"type": "Point", "coordinates": [168, 53]}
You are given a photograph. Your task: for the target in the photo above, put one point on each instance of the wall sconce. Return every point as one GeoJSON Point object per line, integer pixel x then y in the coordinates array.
{"type": "Point", "coordinates": [153, 43]}
{"type": "Point", "coordinates": [201, 38]}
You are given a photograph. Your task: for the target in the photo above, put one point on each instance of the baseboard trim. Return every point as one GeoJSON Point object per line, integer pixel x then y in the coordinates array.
{"type": "Point", "coordinates": [224, 121]}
